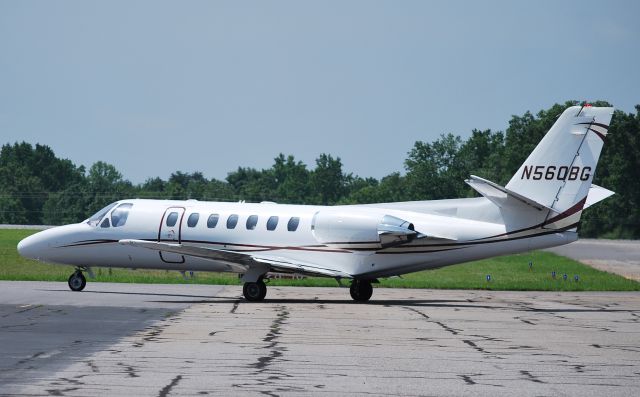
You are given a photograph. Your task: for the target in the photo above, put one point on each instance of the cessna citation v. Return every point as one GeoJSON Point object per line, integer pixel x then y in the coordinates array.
{"type": "Point", "coordinates": [540, 207]}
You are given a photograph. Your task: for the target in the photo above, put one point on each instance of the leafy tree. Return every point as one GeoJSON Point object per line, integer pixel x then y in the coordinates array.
{"type": "Point", "coordinates": [291, 179]}
{"type": "Point", "coordinates": [482, 155]}
{"type": "Point", "coordinates": [28, 174]}
{"type": "Point", "coordinates": [152, 188]}
{"type": "Point", "coordinates": [434, 170]}
{"type": "Point", "coordinates": [391, 188]}
{"type": "Point", "coordinates": [253, 185]}
{"type": "Point", "coordinates": [104, 186]}
{"type": "Point", "coordinates": [327, 180]}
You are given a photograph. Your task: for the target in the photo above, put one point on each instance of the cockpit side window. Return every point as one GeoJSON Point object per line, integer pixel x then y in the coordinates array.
{"type": "Point", "coordinates": [120, 214]}
{"type": "Point", "coordinates": [97, 217]}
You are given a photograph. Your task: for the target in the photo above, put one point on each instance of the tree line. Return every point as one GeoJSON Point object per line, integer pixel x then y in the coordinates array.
{"type": "Point", "coordinates": [36, 187]}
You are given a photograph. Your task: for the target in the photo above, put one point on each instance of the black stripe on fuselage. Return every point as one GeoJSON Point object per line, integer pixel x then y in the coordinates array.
{"type": "Point", "coordinates": [87, 242]}
{"type": "Point", "coordinates": [405, 249]}
{"type": "Point", "coordinates": [467, 244]}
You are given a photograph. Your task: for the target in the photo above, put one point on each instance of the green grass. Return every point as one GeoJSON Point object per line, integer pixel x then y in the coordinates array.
{"type": "Point", "coordinates": [507, 273]}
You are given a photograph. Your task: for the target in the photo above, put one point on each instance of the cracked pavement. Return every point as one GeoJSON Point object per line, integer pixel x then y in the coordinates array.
{"type": "Point", "coordinates": [168, 340]}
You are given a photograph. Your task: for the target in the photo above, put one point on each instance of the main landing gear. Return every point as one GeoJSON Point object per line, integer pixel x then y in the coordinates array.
{"type": "Point", "coordinates": [361, 290]}
{"type": "Point", "coordinates": [77, 281]}
{"type": "Point", "coordinates": [255, 291]}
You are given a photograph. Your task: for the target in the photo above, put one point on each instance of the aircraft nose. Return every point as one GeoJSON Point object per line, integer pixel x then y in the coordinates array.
{"type": "Point", "coordinates": [28, 247]}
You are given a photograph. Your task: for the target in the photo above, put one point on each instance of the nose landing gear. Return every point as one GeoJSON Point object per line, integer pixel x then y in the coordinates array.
{"type": "Point", "coordinates": [77, 281]}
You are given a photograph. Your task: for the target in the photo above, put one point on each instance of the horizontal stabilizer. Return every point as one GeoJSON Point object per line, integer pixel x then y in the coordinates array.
{"type": "Point", "coordinates": [596, 194]}
{"type": "Point", "coordinates": [500, 195]}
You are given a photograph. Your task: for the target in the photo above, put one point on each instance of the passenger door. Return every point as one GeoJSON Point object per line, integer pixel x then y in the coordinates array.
{"type": "Point", "coordinates": [171, 231]}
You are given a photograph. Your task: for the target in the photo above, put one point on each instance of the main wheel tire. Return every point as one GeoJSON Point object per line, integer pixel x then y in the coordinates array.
{"type": "Point", "coordinates": [254, 292]}
{"type": "Point", "coordinates": [361, 290]}
{"type": "Point", "coordinates": [77, 281]}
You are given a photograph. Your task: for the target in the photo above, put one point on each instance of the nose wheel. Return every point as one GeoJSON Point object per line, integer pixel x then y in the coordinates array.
{"type": "Point", "coordinates": [254, 291]}
{"type": "Point", "coordinates": [77, 281]}
{"type": "Point", "coordinates": [361, 290]}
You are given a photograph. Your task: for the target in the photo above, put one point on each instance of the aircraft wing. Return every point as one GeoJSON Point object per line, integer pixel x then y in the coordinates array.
{"type": "Point", "coordinates": [239, 261]}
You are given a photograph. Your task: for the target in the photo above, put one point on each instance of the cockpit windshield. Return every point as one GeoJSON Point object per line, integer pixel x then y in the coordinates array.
{"type": "Point", "coordinates": [119, 215]}
{"type": "Point", "coordinates": [95, 219]}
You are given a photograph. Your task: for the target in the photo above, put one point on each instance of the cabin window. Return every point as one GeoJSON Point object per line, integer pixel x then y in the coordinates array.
{"type": "Point", "coordinates": [105, 223]}
{"type": "Point", "coordinates": [232, 221]}
{"type": "Point", "coordinates": [292, 226]}
{"type": "Point", "coordinates": [252, 221]}
{"type": "Point", "coordinates": [120, 214]}
{"type": "Point", "coordinates": [272, 223]}
{"type": "Point", "coordinates": [212, 221]}
{"type": "Point", "coordinates": [192, 221]}
{"type": "Point", "coordinates": [172, 219]}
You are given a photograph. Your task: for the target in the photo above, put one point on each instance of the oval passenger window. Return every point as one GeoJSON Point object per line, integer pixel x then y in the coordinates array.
{"type": "Point", "coordinates": [272, 223]}
{"type": "Point", "coordinates": [232, 221]}
{"type": "Point", "coordinates": [172, 219]}
{"type": "Point", "coordinates": [292, 226]}
{"type": "Point", "coordinates": [193, 219]}
{"type": "Point", "coordinates": [252, 221]}
{"type": "Point", "coordinates": [212, 221]}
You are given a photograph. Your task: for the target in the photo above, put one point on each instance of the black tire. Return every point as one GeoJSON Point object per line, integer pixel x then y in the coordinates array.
{"type": "Point", "coordinates": [361, 290]}
{"type": "Point", "coordinates": [254, 292]}
{"type": "Point", "coordinates": [77, 281]}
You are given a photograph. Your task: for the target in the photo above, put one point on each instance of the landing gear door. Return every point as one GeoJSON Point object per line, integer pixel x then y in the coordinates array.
{"type": "Point", "coordinates": [170, 231]}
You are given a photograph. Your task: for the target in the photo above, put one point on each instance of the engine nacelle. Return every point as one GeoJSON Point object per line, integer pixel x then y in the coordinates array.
{"type": "Point", "coordinates": [360, 230]}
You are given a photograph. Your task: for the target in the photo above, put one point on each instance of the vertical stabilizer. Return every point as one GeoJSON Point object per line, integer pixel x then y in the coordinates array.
{"type": "Point", "coordinates": [559, 171]}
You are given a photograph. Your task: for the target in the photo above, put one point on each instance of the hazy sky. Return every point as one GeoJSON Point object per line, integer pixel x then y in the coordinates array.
{"type": "Point", "coordinates": [158, 86]}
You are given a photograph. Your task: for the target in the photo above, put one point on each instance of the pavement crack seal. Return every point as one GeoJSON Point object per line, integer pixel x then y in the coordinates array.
{"type": "Point", "coordinates": [273, 341]}
{"type": "Point", "coordinates": [60, 392]}
{"type": "Point", "coordinates": [33, 357]}
{"type": "Point", "coordinates": [529, 376]}
{"type": "Point", "coordinates": [235, 306]}
{"type": "Point", "coordinates": [452, 331]}
{"type": "Point", "coordinates": [167, 389]}
{"type": "Point", "coordinates": [93, 366]}
{"type": "Point", "coordinates": [473, 345]}
{"type": "Point", "coordinates": [131, 372]}
{"type": "Point", "coordinates": [153, 332]}
{"type": "Point", "coordinates": [417, 312]}
{"type": "Point", "coordinates": [270, 377]}
{"type": "Point", "coordinates": [467, 379]}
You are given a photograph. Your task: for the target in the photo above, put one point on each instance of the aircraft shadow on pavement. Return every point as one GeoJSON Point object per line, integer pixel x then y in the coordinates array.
{"type": "Point", "coordinates": [135, 293]}
{"type": "Point", "coordinates": [395, 302]}
{"type": "Point", "coordinates": [409, 302]}
{"type": "Point", "coordinates": [233, 300]}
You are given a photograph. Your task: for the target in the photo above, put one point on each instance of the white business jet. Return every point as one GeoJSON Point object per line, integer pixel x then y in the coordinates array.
{"type": "Point", "coordinates": [540, 207]}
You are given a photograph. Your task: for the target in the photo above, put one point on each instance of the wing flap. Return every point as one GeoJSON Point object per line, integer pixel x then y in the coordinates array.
{"type": "Point", "coordinates": [299, 267]}
{"type": "Point", "coordinates": [240, 262]}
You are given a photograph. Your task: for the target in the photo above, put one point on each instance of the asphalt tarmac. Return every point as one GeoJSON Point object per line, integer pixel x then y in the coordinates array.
{"type": "Point", "coordinates": [614, 256]}
{"type": "Point", "coordinates": [166, 340]}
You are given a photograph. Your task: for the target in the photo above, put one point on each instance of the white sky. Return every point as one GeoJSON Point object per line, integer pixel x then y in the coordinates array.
{"type": "Point", "coordinates": [154, 87]}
